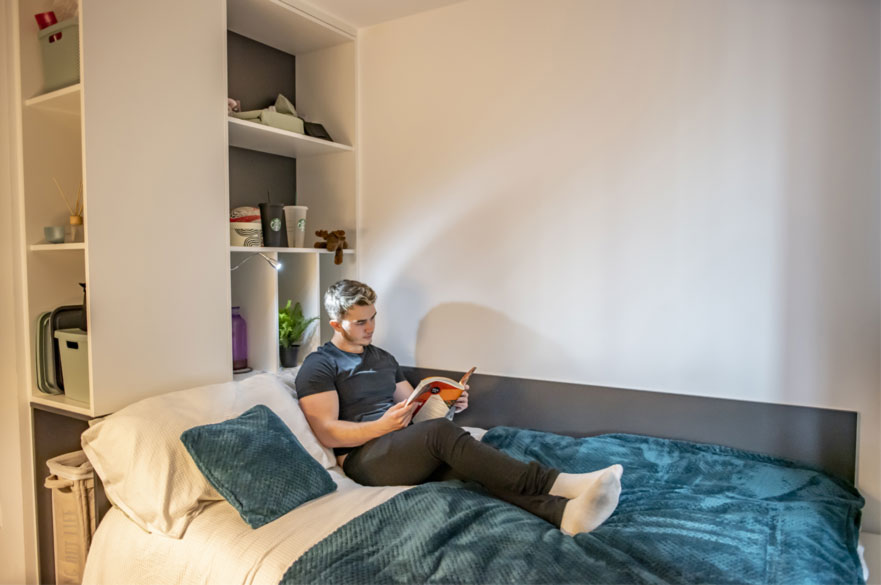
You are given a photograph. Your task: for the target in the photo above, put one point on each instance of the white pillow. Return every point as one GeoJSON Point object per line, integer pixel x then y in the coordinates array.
{"type": "Point", "coordinates": [273, 392]}
{"type": "Point", "coordinates": [145, 468]}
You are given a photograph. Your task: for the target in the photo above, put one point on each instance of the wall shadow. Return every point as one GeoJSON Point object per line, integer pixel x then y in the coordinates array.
{"type": "Point", "coordinates": [467, 334]}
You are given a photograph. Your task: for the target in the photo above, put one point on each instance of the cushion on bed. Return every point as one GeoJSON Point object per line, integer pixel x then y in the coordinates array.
{"type": "Point", "coordinates": [258, 465]}
{"type": "Point", "coordinates": [146, 470]}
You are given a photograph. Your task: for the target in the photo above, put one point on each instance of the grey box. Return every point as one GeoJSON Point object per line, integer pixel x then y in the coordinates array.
{"type": "Point", "coordinates": [61, 57]}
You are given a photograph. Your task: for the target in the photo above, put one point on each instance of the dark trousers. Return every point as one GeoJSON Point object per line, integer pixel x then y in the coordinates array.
{"type": "Point", "coordinates": [437, 450]}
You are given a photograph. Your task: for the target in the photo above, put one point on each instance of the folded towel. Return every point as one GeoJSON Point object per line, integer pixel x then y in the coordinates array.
{"type": "Point", "coordinates": [284, 105]}
{"type": "Point", "coordinates": [283, 121]}
{"type": "Point", "coordinates": [249, 115]}
{"type": "Point", "coordinates": [281, 115]}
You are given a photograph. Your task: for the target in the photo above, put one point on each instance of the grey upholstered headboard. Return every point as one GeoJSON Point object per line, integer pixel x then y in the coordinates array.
{"type": "Point", "coordinates": [816, 436]}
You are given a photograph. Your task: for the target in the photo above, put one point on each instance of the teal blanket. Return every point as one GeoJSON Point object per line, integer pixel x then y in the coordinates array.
{"type": "Point", "coordinates": [689, 513]}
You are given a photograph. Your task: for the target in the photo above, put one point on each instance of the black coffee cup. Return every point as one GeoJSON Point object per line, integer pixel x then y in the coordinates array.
{"type": "Point", "coordinates": [275, 233]}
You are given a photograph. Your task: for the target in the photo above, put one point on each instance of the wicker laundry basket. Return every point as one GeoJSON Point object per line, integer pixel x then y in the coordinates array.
{"type": "Point", "coordinates": [72, 482]}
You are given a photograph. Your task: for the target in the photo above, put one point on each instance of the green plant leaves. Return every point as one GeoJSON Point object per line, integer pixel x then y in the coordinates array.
{"type": "Point", "coordinates": [292, 324]}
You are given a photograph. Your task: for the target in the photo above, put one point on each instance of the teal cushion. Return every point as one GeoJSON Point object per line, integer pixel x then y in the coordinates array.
{"type": "Point", "coordinates": [257, 464]}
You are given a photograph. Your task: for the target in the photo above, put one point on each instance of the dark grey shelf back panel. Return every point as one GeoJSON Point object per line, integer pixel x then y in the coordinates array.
{"type": "Point", "coordinates": [55, 433]}
{"type": "Point", "coordinates": [256, 74]}
{"type": "Point", "coordinates": [252, 174]}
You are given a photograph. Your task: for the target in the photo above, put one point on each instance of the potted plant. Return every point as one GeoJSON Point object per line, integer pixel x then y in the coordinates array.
{"type": "Point", "coordinates": [291, 327]}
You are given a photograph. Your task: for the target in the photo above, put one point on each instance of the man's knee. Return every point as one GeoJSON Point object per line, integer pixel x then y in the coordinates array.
{"type": "Point", "coordinates": [441, 433]}
{"type": "Point", "coordinates": [442, 425]}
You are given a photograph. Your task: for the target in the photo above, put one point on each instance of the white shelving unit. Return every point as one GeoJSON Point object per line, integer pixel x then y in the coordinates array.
{"type": "Point", "coordinates": [62, 402]}
{"type": "Point", "coordinates": [57, 247]}
{"type": "Point", "coordinates": [52, 150]}
{"type": "Point", "coordinates": [87, 134]}
{"type": "Point", "coordinates": [262, 138]}
{"type": "Point", "coordinates": [66, 99]}
{"type": "Point", "coordinates": [256, 249]}
{"type": "Point", "coordinates": [325, 81]}
{"type": "Point", "coordinates": [282, 25]}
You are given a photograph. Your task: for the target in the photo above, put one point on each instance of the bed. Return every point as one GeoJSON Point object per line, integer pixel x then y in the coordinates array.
{"type": "Point", "coordinates": [688, 513]}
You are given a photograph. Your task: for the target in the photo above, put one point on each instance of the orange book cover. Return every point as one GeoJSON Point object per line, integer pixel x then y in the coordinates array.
{"type": "Point", "coordinates": [436, 396]}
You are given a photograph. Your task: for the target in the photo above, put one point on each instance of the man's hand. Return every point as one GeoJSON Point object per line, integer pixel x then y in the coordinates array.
{"type": "Point", "coordinates": [462, 401]}
{"type": "Point", "coordinates": [322, 412]}
{"type": "Point", "coordinates": [396, 418]}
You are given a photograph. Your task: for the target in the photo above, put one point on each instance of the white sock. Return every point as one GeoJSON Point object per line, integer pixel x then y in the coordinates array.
{"type": "Point", "coordinates": [572, 485]}
{"type": "Point", "coordinates": [594, 506]}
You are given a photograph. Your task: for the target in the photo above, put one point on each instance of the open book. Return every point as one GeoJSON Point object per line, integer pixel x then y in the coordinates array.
{"type": "Point", "coordinates": [436, 397]}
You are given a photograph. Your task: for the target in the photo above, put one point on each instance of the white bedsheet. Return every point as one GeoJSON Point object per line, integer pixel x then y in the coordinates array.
{"type": "Point", "coordinates": [219, 547]}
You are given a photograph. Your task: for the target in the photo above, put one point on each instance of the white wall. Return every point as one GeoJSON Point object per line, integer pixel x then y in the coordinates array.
{"type": "Point", "coordinates": [17, 544]}
{"type": "Point", "coordinates": [679, 196]}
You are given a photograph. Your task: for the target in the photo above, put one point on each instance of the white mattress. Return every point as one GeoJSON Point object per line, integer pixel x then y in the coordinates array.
{"type": "Point", "coordinates": [219, 547]}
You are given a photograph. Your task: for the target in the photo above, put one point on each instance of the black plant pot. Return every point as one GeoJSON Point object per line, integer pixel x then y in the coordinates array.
{"type": "Point", "coordinates": [288, 356]}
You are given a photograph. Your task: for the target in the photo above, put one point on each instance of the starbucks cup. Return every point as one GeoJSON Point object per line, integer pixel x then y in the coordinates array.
{"type": "Point", "coordinates": [295, 220]}
{"type": "Point", "coordinates": [274, 232]}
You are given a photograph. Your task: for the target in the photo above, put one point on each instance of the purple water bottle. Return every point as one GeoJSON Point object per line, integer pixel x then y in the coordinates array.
{"type": "Point", "coordinates": [239, 342]}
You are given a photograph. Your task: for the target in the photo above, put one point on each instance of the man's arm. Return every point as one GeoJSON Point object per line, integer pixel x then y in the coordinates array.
{"type": "Point", "coordinates": [403, 390]}
{"type": "Point", "coordinates": [322, 410]}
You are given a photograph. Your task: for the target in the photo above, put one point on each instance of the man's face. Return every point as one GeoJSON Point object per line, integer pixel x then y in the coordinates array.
{"type": "Point", "coordinates": [358, 324]}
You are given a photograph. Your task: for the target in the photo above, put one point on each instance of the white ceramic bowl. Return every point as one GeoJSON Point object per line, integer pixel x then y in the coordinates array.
{"type": "Point", "coordinates": [242, 233]}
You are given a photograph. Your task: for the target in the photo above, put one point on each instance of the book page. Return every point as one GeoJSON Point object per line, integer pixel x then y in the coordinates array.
{"type": "Point", "coordinates": [434, 407]}
{"type": "Point", "coordinates": [448, 389]}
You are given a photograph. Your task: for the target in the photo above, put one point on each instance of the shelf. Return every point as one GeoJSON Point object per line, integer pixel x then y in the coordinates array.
{"type": "Point", "coordinates": [325, 77]}
{"type": "Point", "coordinates": [57, 247]}
{"type": "Point", "coordinates": [61, 402]}
{"type": "Point", "coordinates": [262, 138]}
{"type": "Point", "coordinates": [256, 249]}
{"type": "Point", "coordinates": [66, 100]}
{"type": "Point", "coordinates": [271, 22]}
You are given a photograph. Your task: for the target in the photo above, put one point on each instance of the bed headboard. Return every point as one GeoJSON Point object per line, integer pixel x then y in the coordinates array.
{"type": "Point", "coordinates": [821, 437]}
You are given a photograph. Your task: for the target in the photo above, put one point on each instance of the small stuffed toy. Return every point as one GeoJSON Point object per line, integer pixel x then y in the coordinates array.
{"type": "Point", "coordinates": [334, 241]}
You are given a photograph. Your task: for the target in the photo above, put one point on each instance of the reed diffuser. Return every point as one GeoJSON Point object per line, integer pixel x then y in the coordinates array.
{"type": "Point", "coordinates": [74, 232]}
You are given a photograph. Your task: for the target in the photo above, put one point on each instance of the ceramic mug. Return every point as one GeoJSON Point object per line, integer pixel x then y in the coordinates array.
{"type": "Point", "coordinates": [54, 234]}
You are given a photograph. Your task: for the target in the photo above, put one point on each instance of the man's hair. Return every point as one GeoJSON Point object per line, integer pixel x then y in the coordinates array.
{"type": "Point", "coordinates": [344, 295]}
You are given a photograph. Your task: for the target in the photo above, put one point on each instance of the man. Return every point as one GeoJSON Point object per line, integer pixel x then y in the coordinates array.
{"type": "Point", "coordinates": [353, 395]}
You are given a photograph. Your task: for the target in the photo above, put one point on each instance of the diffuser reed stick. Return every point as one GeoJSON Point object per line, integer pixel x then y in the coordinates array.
{"type": "Point", "coordinates": [77, 209]}
{"type": "Point", "coordinates": [63, 196]}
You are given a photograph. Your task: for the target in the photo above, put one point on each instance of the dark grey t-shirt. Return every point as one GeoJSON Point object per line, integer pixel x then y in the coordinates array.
{"type": "Point", "coordinates": [365, 382]}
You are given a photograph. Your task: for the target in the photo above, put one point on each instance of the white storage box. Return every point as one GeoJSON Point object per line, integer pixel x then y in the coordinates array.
{"type": "Point", "coordinates": [60, 46]}
{"type": "Point", "coordinates": [73, 344]}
